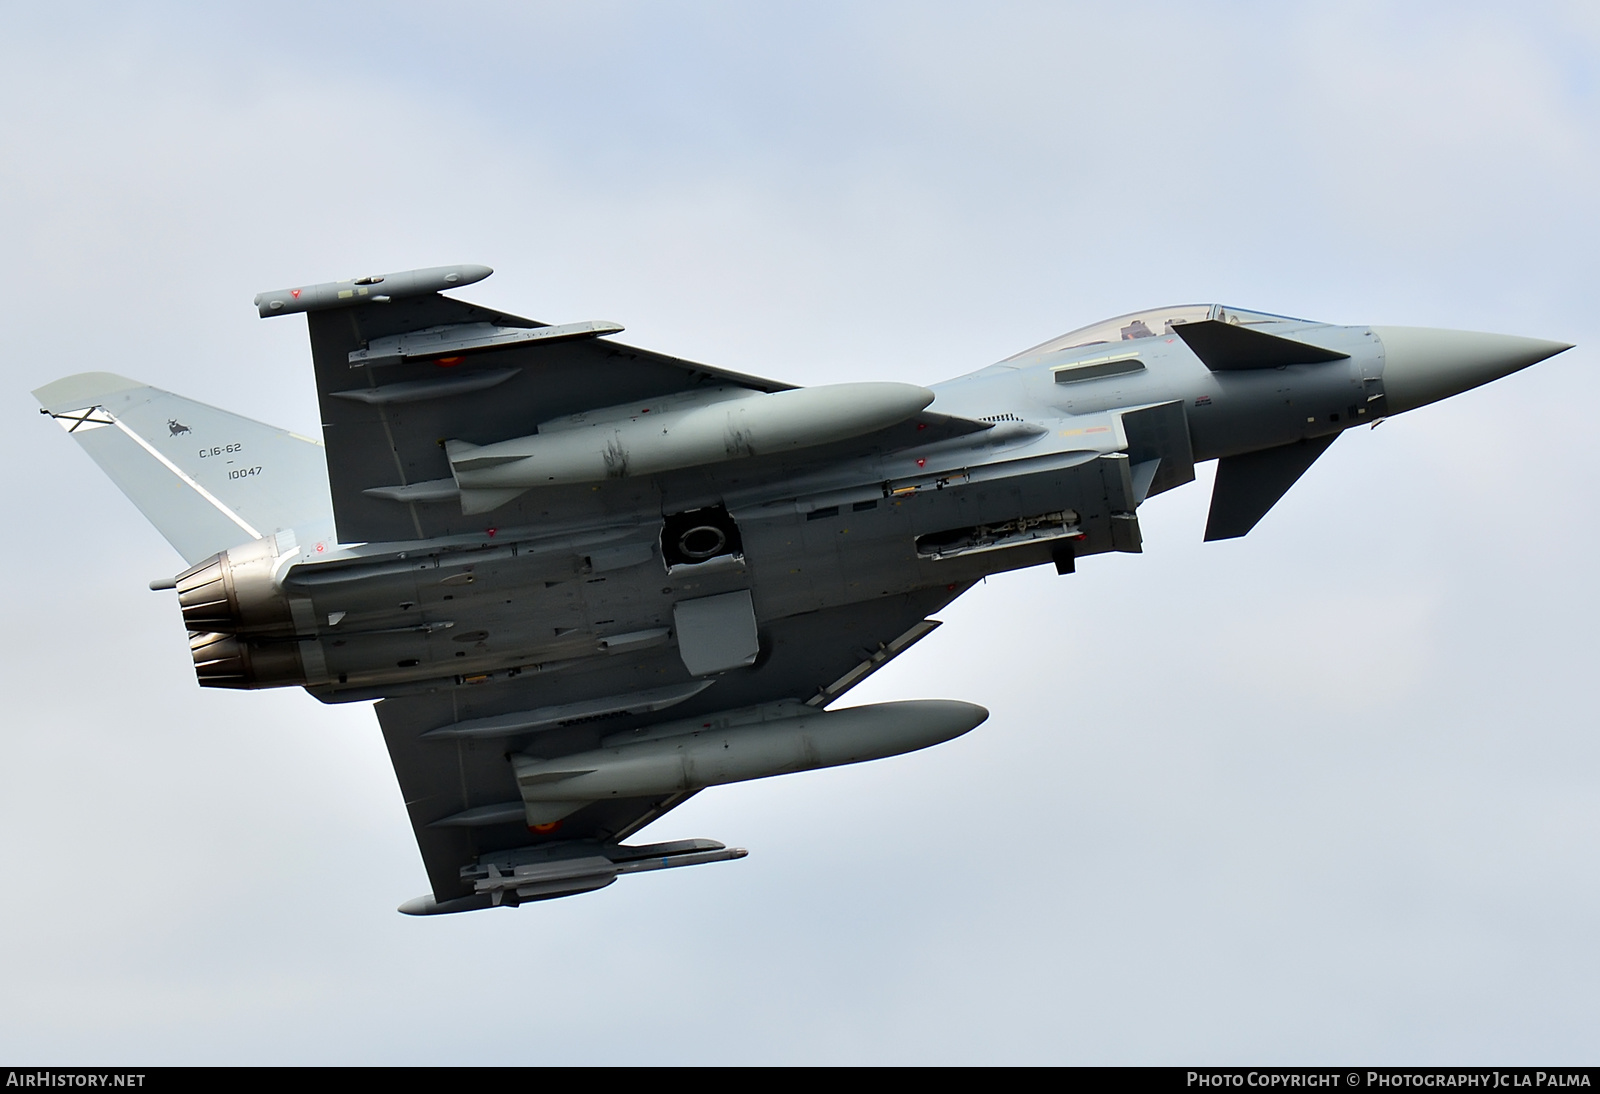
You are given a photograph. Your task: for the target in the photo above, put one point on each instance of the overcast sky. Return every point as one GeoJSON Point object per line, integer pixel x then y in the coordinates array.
{"type": "Point", "coordinates": [1329, 793]}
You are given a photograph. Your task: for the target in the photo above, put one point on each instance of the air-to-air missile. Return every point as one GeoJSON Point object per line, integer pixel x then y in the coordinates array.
{"type": "Point", "coordinates": [587, 580]}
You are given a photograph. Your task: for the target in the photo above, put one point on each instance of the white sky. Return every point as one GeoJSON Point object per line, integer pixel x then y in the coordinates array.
{"type": "Point", "coordinates": [1330, 793]}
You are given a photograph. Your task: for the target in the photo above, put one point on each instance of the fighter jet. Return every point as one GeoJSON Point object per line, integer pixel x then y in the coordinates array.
{"type": "Point", "coordinates": [585, 581]}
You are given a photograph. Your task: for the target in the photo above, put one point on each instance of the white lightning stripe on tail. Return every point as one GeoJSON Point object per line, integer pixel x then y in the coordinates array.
{"type": "Point", "coordinates": [178, 471]}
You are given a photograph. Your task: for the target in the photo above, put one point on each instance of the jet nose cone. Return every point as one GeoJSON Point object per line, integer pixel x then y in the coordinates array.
{"type": "Point", "coordinates": [1422, 365]}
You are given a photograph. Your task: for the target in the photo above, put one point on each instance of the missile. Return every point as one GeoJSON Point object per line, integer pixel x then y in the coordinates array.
{"type": "Point", "coordinates": [563, 870]}
{"type": "Point", "coordinates": [624, 444]}
{"type": "Point", "coordinates": [734, 747]}
{"type": "Point", "coordinates": [372, 289]}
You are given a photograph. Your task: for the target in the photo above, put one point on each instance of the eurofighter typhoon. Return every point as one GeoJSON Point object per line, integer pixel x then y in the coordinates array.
{"type": "Point", "coordinates": [585, 581]}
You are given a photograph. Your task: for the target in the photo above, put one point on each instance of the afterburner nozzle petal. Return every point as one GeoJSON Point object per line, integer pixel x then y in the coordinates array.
{"type": "Point", "coordinates": [1423, 365]}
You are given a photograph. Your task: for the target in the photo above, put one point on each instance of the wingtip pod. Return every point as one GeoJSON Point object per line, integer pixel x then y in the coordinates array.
{"type": "Point", "coordinates": [372, 289]}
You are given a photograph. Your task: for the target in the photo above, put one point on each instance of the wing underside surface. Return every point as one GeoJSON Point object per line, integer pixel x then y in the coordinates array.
{"type": "Point", "coordinates": [481, 397]}
{"type": "Point", "coordinates": [803, 657]}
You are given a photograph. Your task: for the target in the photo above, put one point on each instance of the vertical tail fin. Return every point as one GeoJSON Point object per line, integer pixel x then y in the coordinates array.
{"type": "Point", "coordinates": [206, 479]}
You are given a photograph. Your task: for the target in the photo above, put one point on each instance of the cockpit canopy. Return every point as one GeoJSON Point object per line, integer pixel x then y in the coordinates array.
{"type": "Point", "coordinates": [1150, 324]}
